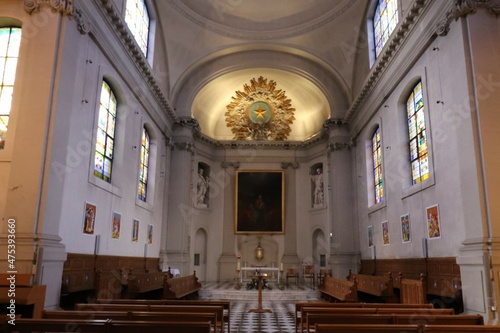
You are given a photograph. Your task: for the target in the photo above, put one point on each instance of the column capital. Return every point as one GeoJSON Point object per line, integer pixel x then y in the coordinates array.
{"type": "Point", "coordinates": [64, 7]}
{"type": "Point", "coordinates": [463, 8]}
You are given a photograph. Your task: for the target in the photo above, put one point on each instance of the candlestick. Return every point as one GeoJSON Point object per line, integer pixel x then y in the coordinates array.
{"type": "Point", "coordinates": [281, 267]}
{"type": "Point", "coordinates": [238, 266]}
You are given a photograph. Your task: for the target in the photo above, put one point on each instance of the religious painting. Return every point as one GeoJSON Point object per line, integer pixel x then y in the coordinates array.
{"type": "Point", "coordinates": [433, 222]}
{"type": "Point", "coordinates": [385, 233]}
{"type": "Point", "coordinates": [259, 204]}
{"type": "Point", "coordinates": [370, 235]}
{"type": "Point", "coordinates": [150, 234]}
{"type": "Point", "coordinates": [116, 225]}
{"type": "Point", "coordinates": [89, 218]}
{"type": "Point", "coordinates": [135, 231]}
{"type": "Point", "coordinates": [405, 228]}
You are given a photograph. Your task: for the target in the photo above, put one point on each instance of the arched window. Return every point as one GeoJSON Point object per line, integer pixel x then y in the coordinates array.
{"type": "Point", "coordinates": [377, 166]}
{"type": "Point", "coordinates": [416, 129]}
{"type": "Point", "coordinates": [385, 21]}
{"type": "Point", "coordinates": [137, 19]}
{"type": "Point", "coordinates": [105, 141]}
{"type": "Point", "coordinates": [144, 166]}
{"type": "Point", "coordinates": [10, 41]}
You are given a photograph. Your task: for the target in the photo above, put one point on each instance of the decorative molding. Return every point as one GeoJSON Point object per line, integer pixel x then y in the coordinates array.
{"type": "Point", "coordinates": [463, 8]}
{"type": "Point", "coordinates": [260, 112]}
{"type": "Point", "coordinates": [285, 165]}
{"type": "Point", "coordinates": [186, 146]}
{"type": "Point", "coordinates": [117, 23]}
{"type": "Point", "coordinates": [226, 165]}
{"type": "Point", "coordinates": [389, 52]}
{"type": "Point", "coordinates": [339, 146]}
{"type": "Point", "coordinates": [82, 24]}
{"type": "Point", "coordinates": [189, 122]}
{"type": "Point", "coordinates": [64, 7]}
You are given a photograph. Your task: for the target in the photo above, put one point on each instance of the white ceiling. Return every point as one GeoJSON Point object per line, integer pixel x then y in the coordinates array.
{"type": "Point", "coordinates": [215, 47]}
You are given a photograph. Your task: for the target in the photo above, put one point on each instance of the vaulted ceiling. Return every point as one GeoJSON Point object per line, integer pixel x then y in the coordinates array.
{"type": "Point", "coordinates": [313, 50]}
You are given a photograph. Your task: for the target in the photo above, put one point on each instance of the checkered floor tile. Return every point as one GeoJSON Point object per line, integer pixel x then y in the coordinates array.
{"type": "Point", "coordinates": [280, 320]}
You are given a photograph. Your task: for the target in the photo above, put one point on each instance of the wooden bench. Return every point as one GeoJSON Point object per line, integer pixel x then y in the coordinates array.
{"type": "Point", "coordinates": [300, 305]}
{"type": "Point", "coordinates": [380, 286]}
{"type": "Point", "coordinates": [28, 325]}
{"type": "Point", "coordinates": [27, 295]}
{"type": "Point", "coordinates": [460, 329]}
{"type": "Point", "coordinates": [340, 290]}
{"type": "Point", "coordinates": [333, 318]}
{"type": "Point", "coordinates": [412, 291]}
{"type": "Point", "coordinates": [157, 327]}
{"type": "Point", "coordinates": [140, 283]}
{"type": "Point", "coordinates": [416, 311]}
{"type": "Point", "coordinates": [366, 328]}
{"type": "Point", "coordinates": [425, 319]}
{"type": "Point", "coordinates": [330, 310]}
{"type": "Point", "coordinates": [181, 287]}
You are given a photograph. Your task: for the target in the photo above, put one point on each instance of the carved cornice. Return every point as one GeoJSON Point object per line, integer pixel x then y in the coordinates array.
{"type": "Point", "coordinates": [463, 8]}
{"type": "Point", "coordinates": [339, 146]}
{"type": "Point", "coordinates": [116, 22]}
{"type": "Point", "coordinates": [82, 24]}
{"type": "Point", "coordinates": [285, 165]}
{"type": "Point", "coordinates": [389, 52]}
{"type": "Point", "coordinates": [64, 7]}
{"type": "Point", "coordinates": [185, 146]}
{"type": "Point", "coordinates": [226, 165]}
{"type": "Point", "coordinates": [189, 122]}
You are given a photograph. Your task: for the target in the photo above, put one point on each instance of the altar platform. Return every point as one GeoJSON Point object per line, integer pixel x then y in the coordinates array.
{"type": "Point", "coordinates": [226, 290]}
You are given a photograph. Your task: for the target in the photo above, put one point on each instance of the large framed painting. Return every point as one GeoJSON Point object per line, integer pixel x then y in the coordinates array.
{"type": "Point", "coordinates": [433, 222]}
{"type": "Point", "coordinates": [260, 202]}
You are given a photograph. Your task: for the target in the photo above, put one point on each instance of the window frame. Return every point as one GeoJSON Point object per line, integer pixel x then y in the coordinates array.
{"type": "Point", "coordinates": [378, 164]}
{"type": "Point", "coordinates": [151, 29]}
{"type": "Point", "coordinates": [371, 40]}
{"type": "Point", "coordinates": [152, 165]}
{"type": "Point", "coordinates": [144, 164]}
{"type": "Point", "coordinates": [8, 115]}
{"type": "Point", "coordinates": [369, 163]}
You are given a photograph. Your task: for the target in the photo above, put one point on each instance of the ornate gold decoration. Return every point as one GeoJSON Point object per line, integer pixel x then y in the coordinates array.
{"type": "Point", "coordinates": [260, 112]}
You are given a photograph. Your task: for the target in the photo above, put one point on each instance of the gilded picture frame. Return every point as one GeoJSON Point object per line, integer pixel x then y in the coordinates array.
{"type": "Point", "coordinates": [260, 202]}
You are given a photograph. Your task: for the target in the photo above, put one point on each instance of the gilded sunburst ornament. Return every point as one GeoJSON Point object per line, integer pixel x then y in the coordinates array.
{"type": "Point", "coordinates": [260, 112]}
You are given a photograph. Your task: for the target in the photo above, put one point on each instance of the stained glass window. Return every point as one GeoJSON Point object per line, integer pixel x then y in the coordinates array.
{"type": "Point", "coordinates": [144, 166]}
{"type": "Point", "coordinates": [385, 21]}
{"type": "Point", "coordinates": [10, 41]}
{"type": "Point", "coordinates": [377, 167]}
{"type": "Point", "coordinates": [416, 129]}
{"type": "Point", "coordinates": [137, 19]}
{"type": "Point", "coordinates": [105, 134]}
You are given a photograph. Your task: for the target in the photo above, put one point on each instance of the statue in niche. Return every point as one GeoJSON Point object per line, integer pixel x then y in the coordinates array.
{"type": "Point", "coordinates": [318, 188]}
{"type": "Point", "coordinates": [202, 185]}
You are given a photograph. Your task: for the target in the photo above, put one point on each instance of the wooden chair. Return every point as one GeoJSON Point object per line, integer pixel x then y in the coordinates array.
{"type": "Point", "coordinates": [309, 274]}
{"type": "Point", "coordinates": [323, 272]}
{"type": "Point", "coordinates": [292, 273]}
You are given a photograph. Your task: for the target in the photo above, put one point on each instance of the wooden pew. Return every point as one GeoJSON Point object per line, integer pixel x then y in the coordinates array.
{"type": "Point", "coordinates": [85, 315]}
{"type": "Point", "coordinates": [218, 309]}
{"type": "Point", "coordinates": [111, 307]}
{"type": "Point", "coordinates": [26, 294]}
{"type": "Point", "coordinates": [413, 291]}
{"type": "Point", "coordinates": [340, 290]}
{"type": "Point", "coordinates": [425, 319]}
{"type": "Point", "coordinates": [225, 303]}
{"type": "Point", "coordinates": [415, 311]}
{"type": "Point", "coordinates": [330, 310]}
{"type": "Point", "coordinates": [333, 318]}
{"type": "Point", "coordinates": [116, 326]}
{"type": "Point", "coordinates": [28, 325]}
{"type": "Point", "coordinates": [300, 305]}
{"type": "Point", "coordinates": [460, 329]}
{"type": "Point", "coordinates": [181, 287]}
{"type": "Point", "coordinates": [380, 286]}
{"type": "Point", "coordinates": [365, 328]}
{"type": "Point", "coordinates": [397, 305]}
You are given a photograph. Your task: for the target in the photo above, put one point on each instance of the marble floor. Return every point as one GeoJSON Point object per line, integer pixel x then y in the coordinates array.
{"type": "Point", "coordinates": [281, 304]}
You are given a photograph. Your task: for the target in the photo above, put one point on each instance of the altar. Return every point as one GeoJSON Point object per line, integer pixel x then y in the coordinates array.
{"type": "Point", "coordinates": [273, 270]}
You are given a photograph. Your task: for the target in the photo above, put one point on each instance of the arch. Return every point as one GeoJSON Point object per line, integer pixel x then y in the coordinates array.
{"type": "Point", "coordinates": [320, 246]}
{"type": "Point", "coordinates": [200, 254]}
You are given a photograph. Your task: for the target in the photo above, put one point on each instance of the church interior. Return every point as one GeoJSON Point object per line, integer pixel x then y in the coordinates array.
{"type": "Point", "coordinates": [230, 140]}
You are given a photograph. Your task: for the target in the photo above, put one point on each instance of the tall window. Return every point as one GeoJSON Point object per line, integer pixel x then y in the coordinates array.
{"type": "Point", "coordinates": [377, 167]}
{"type": "Point", "coordinates": [144, 166]}
{"type": "Point", "coordinates": [105, 134]}
{"type": "Point", "coordinates": [385, 21]}
{"type": "Point", "coordinates": [416, 128]}
{"type": "Point", "coordinates": [137, 19]}
{"type": "Point", "coordinates": [10, 41]}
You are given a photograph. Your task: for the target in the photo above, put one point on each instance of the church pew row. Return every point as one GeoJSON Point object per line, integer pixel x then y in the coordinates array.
{"type": "Point", "coordinates": [375, 285]}
{"type": "Point", "coordinates": [225, 304]}
{"type": "Point", "coordinates": [29, 325]}
{"type": "Point", "coordinates": [299, 305]}
{"type": "Point", "coordinates": [362, 311]}
{"type": "Point", "coordinates": [366, 328]}
{"type": "Point", "coordinates": [218, 309]}
{"type": "Point", "coordinates": [391, 319]}
{"type": "Point", "coordinates": [339, 289]}
{"type": "Point", "coordinates": [181, 287]}
{"type": "Point", "coordinates": [135, 316]}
